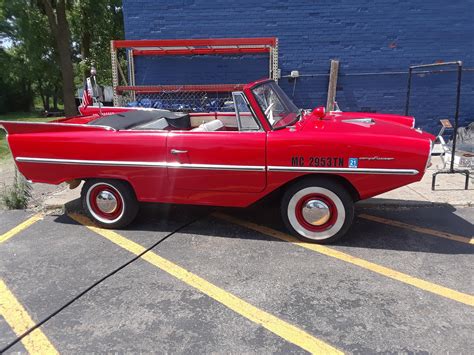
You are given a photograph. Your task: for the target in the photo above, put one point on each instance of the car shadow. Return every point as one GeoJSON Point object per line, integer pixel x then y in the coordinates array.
{"type": "Point", "coordinates": [364, 233]}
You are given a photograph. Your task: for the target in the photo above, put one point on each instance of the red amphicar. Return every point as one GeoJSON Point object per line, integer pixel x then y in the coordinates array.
{"type": "Point", "coordinates": [321, 162]}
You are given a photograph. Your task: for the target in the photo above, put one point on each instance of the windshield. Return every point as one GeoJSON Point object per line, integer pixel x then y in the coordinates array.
{"type": "Point", "coordinates": [278, 108]}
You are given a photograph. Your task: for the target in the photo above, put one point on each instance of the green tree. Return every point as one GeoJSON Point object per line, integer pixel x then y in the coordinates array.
{"type": "Point", "coordinates": [58, 23]}
{"type": "Point", "coordinates": [33, 54]}
{"type": "Point", "coordinates": [15, 86]}
{"type": "Point", "coordinates": [55, 42]}
{"type": "Point", "coordinates": [11, 85]}
{"type": "Point", "coordinates": [94, 24]}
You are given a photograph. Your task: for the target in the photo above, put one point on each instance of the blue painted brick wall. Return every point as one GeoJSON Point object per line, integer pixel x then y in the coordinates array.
{"type": "Point", "coordinates": [366, 36]}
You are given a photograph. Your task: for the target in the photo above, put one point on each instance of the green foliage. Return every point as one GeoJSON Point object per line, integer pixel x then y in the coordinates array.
{"type": "Point", "coordinates": [93, 25]}
{"type": "Point", "coordinates": [18, 195]}
{"type": "Point", "coordinates": [15, 88]}
{"type": "Point", "coordinates": [32, 57]}
{"type": "Point", "coordinates": [25, 116]}
{"type": "Point", "coordinates": [30, 66]}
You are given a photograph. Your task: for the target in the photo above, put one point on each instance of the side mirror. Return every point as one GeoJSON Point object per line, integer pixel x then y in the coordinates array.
{"type": "Point", "coordinates": [95, 89]}
{"type": "Point", "coordinates": [319, 112]}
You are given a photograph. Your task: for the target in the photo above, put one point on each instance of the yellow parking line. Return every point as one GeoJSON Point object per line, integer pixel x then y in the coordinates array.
{"type": "Point", "coordinates": [382, 270]}
{"type": "Point", "coordinates": [279, 327]}
{"type": "Point", "coordinates": [433, 232]}
{"type": "Point", "coordinates": [20, 321]}
{"type": "Point", "coordinates": [4, 237]}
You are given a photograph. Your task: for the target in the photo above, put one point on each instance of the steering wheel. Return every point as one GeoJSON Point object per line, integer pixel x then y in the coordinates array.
{"type": "Point", "coordinates": [267, 110]}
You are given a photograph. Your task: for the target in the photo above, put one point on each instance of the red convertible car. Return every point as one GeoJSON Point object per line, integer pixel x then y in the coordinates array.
{"type": "Point", "coordinates": [321, 163]}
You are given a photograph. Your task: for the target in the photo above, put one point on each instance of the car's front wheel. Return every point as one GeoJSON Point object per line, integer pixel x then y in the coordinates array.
{"type": "Point", "coordinates": [110, 203]}
{"type": "Point", "coordinates": [317, 210]}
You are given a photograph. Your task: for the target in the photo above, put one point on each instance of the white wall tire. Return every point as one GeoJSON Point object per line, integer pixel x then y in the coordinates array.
{"type": "Point", "coordinates": [317, 210]}
{"type": "Point", "coordinates": [109, 203]}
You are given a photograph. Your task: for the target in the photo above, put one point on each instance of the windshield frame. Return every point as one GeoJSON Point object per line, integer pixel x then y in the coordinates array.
{"type": "Point", "coordinates": [283, 99]}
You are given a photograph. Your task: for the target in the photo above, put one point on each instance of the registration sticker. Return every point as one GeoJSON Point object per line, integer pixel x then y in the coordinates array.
{"type": "Point", "coordinates": [353, 163]}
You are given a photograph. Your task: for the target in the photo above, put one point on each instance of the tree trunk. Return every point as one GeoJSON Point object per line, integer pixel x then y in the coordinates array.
{"type": "Point", "coordinates": [88, 10]}
{"type": "Point", "coordinates": [42, 93]}
{"type": "Point", "coordinates": [31, 100]}
{"type": "Point", "coordinates": [55, 100]}
{"type": "Point", "coordinates": [86, 50]}
{"type": "Point", "coordinates": [60, 29]}
{"type": "Point", "coordinates": [43, 100]}
{"type": "Point", "coordinates": [47, 107]}
{"type": "Point", "coordinates": [26, 94]}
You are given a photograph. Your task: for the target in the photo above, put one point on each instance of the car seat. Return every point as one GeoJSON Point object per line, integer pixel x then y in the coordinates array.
{"type": "Point", "coordinates": [210, 126]}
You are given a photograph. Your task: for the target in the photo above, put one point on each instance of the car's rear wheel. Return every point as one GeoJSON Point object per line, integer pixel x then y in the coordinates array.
{"type": "Point", "coordinates": [110, 203]}
{"type": "Point", "coordinates": [317, 210]}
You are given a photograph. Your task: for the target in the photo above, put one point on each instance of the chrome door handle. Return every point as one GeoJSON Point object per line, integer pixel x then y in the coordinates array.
{"type": "Point", "coordinates": [177, 151]}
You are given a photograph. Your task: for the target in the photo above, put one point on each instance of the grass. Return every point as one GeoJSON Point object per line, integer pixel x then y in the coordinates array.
{"type": "Point", "coordinates": [17, 196]}
{"type": "Point", "coordinates": [17, 116]}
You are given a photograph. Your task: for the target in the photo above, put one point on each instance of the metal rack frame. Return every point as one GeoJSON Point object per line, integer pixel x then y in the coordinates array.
{"type": "Point", "coordinates": [180, 47]}
{"type": "Point", "coordinates": [451, 169]}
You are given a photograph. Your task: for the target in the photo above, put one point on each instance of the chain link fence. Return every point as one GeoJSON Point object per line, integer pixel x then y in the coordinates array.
{"type": "Point", "coordinates": [190, 101]}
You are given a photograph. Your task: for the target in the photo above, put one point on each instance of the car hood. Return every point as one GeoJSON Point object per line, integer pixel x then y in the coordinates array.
{"type": "Point", "coordinates": [364, 124]}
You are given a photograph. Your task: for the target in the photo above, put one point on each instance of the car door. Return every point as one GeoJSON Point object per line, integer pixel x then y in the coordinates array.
{"type": "Point", "coordinates": [230, 161]}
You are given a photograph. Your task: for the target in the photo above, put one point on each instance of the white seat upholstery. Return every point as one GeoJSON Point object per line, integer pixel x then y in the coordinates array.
{"type": "Point", "coordinates": [210, 126]}
{"type": "Point", "coordinates": [246, 120]}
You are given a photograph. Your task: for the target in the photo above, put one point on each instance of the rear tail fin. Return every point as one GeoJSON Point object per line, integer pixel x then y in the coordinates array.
{"type": "Point", "coordinates": [15, 127]}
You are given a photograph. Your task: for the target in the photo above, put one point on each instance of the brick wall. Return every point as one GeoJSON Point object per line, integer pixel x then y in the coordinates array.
{"type": "Point", "coordinates": [366, 36]}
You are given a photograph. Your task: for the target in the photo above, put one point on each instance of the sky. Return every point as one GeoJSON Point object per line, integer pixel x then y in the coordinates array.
{"type": "Point", "coordinates": [5, 42]}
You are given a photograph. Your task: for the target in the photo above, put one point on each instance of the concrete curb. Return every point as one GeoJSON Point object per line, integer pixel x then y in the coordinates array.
{"type": "Point", "coordinates": [61, 198]}
{"type": "Point", "coordinates": [53, 206]}
{"type": "Point", "coordinates": [408, 204]}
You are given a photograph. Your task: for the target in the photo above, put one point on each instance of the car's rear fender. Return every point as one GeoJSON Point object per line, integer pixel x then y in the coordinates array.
{"type": "Point", "coordinates": [342, 181]}
{"type": "Point", "coordinates": [55, 153]}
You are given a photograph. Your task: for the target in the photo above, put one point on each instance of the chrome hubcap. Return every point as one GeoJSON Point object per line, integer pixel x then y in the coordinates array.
{"type": "Point", "coordinates": [316, 212]}
{"type": "Point", "coordinates": [106, 202]}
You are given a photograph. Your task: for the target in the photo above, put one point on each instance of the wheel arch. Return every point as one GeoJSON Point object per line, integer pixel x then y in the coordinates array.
{"type": "Point", "coordinates": [332, 177]}
{"type": "Point", "coordinates": [104, 178]}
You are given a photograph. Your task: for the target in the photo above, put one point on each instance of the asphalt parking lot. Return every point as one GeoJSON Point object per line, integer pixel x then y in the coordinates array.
{"type": "Point", "coordinates": [232, 281]}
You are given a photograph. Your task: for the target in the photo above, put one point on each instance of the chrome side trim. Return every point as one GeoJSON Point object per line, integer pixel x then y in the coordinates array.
{"type": "Point", "coordinates": [302, 169]}
{"type": "Point", "coordinates": [367, 120]}
{"type": "Point", "coordinates": [176, 165]}
{"type": "Point", "coordinates": [163, 164]}
{"type": "Point", "coordinates": [376, 157]}
{"type": "Point", "coordinates": [91, 162]}
{"type": "Point", "coordinates": [216, 167]}
{"type": "Point", "coordinates": [59, 124]}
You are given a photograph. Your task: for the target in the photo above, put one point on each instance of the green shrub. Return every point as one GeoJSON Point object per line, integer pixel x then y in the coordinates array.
{"type": "Point", "coordinates": [18, 195]}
